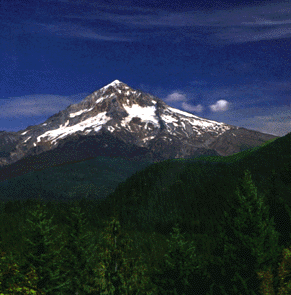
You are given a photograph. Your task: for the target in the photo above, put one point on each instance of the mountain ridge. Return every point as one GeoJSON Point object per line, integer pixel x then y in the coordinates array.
{"type": "Point", "coordinates": [134, 117]}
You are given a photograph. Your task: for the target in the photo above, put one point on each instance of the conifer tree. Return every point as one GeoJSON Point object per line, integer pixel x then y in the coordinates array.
{"type": "Point", "coordinates": [116, 273]}
{"type": "Point", "coordinates": [77, 256]}
{"type": "Point", "coordinates": [284, 271]}
{"type": "Point", "coordinates": [284, 274]}
{"type": "Point", "coordinates": [181, 271]}
{"type": "Point", "coordinates": [41, 255]}
{"type": "Point", "coordinates": [12, 281]}
{"type": "Point", "coordinates": [249, 242]}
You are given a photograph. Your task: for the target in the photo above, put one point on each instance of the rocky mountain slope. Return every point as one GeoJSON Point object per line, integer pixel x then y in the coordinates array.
{"type": "Point", "coordinates": [117, 119]}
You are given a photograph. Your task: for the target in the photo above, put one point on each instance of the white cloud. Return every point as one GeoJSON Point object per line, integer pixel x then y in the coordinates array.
{"type": "Point", "coordinates": [176, 96]}
{"type": "Point", "coordinates": [189, 108]}
{"type": "Point", "coordinates": [219, 106]}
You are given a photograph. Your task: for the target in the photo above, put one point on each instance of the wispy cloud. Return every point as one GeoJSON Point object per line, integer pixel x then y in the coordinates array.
{"type": "Point", "coordinates": [262, 22]}
{"type": "Point", "coordinates": [241, 35]}
{"type": "Point", "coordinates": [244, 24]}
{"type": "Point", "coordinates": [271, 120]}
{"type": "Point", "coordinates": [65, 29]}
{"type": "Point", "coordinates": [36, 105]}
{"type": "Point", "coordinates": [236, 25]}
{"type": "Point", "coordinates": [115, 6]}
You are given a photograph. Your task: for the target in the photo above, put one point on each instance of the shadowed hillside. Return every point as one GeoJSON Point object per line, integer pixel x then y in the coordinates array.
{"type": "Point", "coordinates": [196, 195]}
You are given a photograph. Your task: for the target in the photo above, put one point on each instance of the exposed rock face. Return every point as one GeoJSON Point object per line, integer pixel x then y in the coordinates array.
{"type": "Point", "coordinates": [134, 118]}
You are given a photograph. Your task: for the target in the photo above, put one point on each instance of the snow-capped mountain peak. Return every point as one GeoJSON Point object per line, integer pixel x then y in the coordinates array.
{"type": "Point", "coordinates": [114, 83]}
{"type": "Point", "coordinates": [133, 117]}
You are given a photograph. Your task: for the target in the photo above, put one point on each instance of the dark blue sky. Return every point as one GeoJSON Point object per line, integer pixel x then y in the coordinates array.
{"type": "Point", "coordinates": [220, 60]}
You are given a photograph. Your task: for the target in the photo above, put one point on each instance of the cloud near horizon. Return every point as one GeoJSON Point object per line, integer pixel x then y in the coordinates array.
{"type": "Point", "coordinates": [44, 106]}
{"type": "Point", "coordinates": [220, 105]}
{"type": "Point", "coordinates": [37, 105]}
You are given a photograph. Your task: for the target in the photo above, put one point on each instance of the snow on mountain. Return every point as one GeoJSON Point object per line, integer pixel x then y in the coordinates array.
{"type": "Point", "coordinates": [134, 117]}
{"type": "Point", "coordinates": [147, 114]}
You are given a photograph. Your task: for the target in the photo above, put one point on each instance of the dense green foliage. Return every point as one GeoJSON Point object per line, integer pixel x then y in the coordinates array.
{"type": "Point", "coordinates": [250, 241]}
{"type": "Point", "coordinates": [94, 178]}
{"type": "Point", "coordinates": [163, 230]}
{"type": "Point", "coordinates": [40, 238]}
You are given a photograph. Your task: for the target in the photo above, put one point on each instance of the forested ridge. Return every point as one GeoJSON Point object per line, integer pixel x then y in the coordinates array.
{"type": "Point", "coordinates": [174, 227]}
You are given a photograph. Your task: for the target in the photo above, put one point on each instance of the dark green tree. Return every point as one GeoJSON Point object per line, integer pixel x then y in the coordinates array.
{"type": "Point", "coordinates": [248, 243]}
{"type": "Point", "coordinates": [12, 281]}
{"type": "Point", "coordinates": [41, 252]}
{"type": "Point", "coordinates": [117, 272]}
{"type": "Point", "coordinates": [181, 272]}
{"type": "Point", "coordinates": [77, 257]}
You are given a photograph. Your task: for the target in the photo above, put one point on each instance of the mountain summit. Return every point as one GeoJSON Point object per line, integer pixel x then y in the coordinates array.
{"type": "Point", "coordinates": [136, 120]}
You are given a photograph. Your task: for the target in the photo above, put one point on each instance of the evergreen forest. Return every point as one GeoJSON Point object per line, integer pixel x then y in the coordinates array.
{"type": "Point", "coordinates": [206, 225]}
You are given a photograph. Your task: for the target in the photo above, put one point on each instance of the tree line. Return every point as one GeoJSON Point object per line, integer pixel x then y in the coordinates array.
{"type": "Point", "coordinates": [73, 258]}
